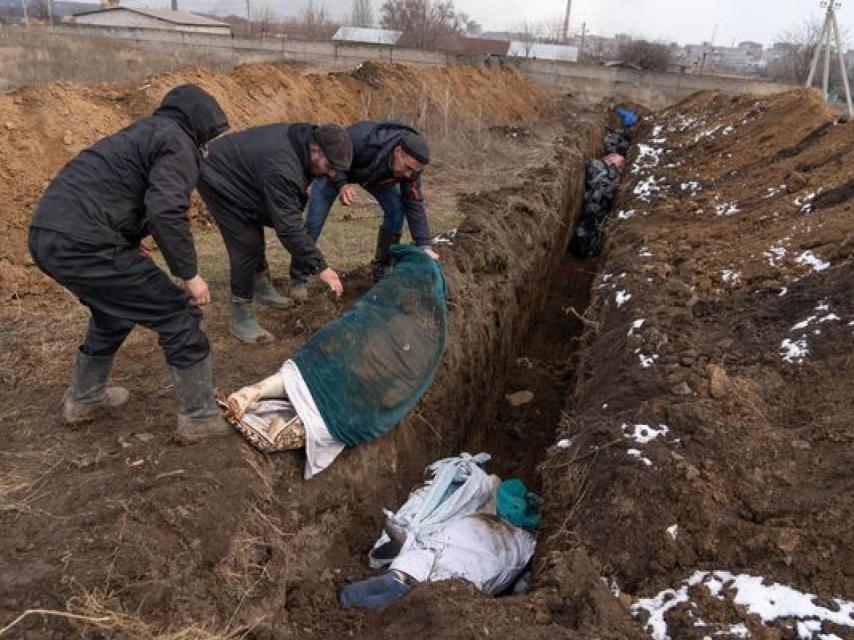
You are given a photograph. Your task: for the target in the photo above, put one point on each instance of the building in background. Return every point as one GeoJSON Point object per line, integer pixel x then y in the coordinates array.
{"type": "Point", "coordinates": [361, 36]}
{"type": "Point", "coordinates": [155, 19]}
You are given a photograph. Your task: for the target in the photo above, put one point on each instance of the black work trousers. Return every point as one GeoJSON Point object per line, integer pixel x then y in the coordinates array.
{"type": "Point", "coordinates": [122, 289]}
{"type": "Point", "coordinates": [244, 243]}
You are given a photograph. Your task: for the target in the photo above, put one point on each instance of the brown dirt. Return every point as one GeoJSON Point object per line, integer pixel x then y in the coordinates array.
{"type": "Point", "coordinates": [756, 469]}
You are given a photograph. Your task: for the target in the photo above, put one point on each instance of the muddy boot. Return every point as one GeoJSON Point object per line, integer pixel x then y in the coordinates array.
{"type": "Point", "coordinates": [381, 264]}
{"type": "Point", "coordinates": [299, 290]}
{"type": "Point", "coordinates": [243, 324]}
{"type": "Point", "coordinates": [266, 294]}
{"type": "Point", "coordinates": [199, 417]}
{"type": "Point", "coordinates": [88, 396]}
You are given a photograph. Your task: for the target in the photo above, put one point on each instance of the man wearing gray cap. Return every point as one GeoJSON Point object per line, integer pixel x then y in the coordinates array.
{"type": "Point", "coordinates": [388, 159]}
{"type": "Point", "coordinates": [259, 178]}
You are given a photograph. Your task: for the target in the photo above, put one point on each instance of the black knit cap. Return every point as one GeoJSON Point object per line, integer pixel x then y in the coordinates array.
{"type": "Point", "coordinates": [416, 146]}
{"type": "Point", "coordinates": [335, 144]}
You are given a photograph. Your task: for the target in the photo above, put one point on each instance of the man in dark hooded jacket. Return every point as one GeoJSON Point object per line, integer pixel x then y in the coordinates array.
{"type": "Point", "coordinates": [388, 159]}
{"type": "Point", "coordinates": [259, 178]}
{"type": "Point", "coordinates": [87, 235]}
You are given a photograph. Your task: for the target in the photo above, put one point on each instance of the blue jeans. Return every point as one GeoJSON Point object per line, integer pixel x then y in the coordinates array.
{"type": "Point", "coordinates": [322, 197]}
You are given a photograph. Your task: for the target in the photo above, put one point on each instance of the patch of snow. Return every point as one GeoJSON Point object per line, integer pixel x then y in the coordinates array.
{"type": "Point", "coordinates": [446, 237]}
{"type": "Point", "coordinates": [673, 531]}
{"type": "Point", "coordinates": [622, 297]}
{"type": "Point", "coordinates": [636, 325]}
{"type": "Point", "coordinates": [647, 361]}
{"type": "Point", "coordinates": [773, 191]}
{"type": "Point", "coordinates": [693, 186]}
{"type": "Point", "coordinates": [794, 350]}
{"type": "Point", "coordinates": [647, 157]}
{"type": "Point", "coordinates": [646, 188]}
{"type": "Point", "coordinates": [775, 254]}
{"type": "Point", "coordinates": [770, 602]}
{"type": "Point", "coordinates": [565, 443]}
{"type": "Point", "coordinates": [708, 133]}
{"type": "Point", "coordinates": [644, 253]}
{"type": "Point", "coordinates": [809, 258]}
{"type": "Point", "coordinates": [726, 209]}
{"type": "Point", "coordinates": [803, 324]}
{"type": "Point", "coordinates": [643, 433]}
{"type": "Point", "coordinates": [625, 214]}
{"type": "Point", "coordinates": [730, 277]}
{"type": "Point", "coordinates": [635, 453]}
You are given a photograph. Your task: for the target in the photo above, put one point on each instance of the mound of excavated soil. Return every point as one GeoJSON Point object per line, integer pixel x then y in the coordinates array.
{"type": "Point", "coordinates": [711, 426]}
{"type": "Point", "coordinates": [41, 128]}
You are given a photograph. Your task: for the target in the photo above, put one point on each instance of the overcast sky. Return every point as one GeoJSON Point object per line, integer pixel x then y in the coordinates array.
{"type": "Point", "coordinates": [683, 21]}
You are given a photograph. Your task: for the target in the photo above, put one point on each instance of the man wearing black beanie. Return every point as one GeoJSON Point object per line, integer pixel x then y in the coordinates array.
{"type": "Point", "coordinates": [388, 159]}
{"type": "Point", "coordinates": [259, 178]}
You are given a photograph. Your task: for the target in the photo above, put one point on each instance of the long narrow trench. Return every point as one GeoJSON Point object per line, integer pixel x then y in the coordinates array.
{"type": "Point", "coordinates": [539, 379]}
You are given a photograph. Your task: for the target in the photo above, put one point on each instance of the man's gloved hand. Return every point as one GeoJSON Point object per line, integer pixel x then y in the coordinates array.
{"type": "Point", "coordinates": [372, 593]}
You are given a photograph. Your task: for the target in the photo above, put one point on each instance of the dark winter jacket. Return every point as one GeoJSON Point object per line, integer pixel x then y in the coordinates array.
{"type": "Point", "coordinates": [261, 175]}
{"type": "Point", "coordinates": [138, 181]}
{"type": "Point", "coordinates": [373, 144]}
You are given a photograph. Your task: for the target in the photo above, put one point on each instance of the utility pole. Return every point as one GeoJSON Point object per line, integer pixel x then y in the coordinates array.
{"type": "Point", "coordinates": [26, 17]}
{"type": "Point", "coordinates": [566, 21]}
{"type": "Point", "coordinates": [249, 16]}
{"type": "Point", "coordinates": [174, 5]}
{"type": "Point", "coordinates": [830, 25]}
{"type": "Point", "coordinates": [581, 48]}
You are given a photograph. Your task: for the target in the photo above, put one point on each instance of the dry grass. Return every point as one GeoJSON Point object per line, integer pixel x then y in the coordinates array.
{"type": "Point", "coordinates": [96, 609]}
{"type": "Point", "coordinates": [24, 475]}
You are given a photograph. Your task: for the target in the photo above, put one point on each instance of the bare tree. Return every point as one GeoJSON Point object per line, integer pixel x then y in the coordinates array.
{"type": "Point", "coordinates": [798, 46]}
{"type": "Point", "coordinates": [423, 22]}
{"type": "Point", "coordinates": [362, 14]}
{"type": "Point", "coordinates": [650, 56]}
{"type": "Point", "coordinates": [315, 23]}
{"type": "Point", "coordinates": [264, 21]}
{"type": "Point", "coordinates": [528, 33]}
{"type": "Point", "coordinates": [553, 31]}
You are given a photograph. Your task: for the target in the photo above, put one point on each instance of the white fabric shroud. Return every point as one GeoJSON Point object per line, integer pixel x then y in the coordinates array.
{"type": "Point", "coordinates": [321, 448]}
{"type": "Point", "coordinates": [481, 548]}
{"type": "Point", "coordinates": [458, 486]}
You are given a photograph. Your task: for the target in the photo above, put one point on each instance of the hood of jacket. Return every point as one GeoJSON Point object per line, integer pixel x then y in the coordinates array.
{"type": "Point", "coordinates": [196, 111]}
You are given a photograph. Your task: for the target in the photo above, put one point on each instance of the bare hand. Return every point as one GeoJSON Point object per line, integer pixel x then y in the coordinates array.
{"type": "Point", "coordinates": [146, 251]}
{"type": "Point", "coordinates": [347, 195]}
{"type": "Point", "coordinates": [332, 280]}
{"type": "Point", "coordinates": [431, 253]}
{"type": "Point", "coordinates": [198, 290]}
{"type": "Point", "coordinates": [241, 400]}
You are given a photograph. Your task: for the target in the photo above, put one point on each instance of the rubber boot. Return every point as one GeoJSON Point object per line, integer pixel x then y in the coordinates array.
{"type": "Point", "coordinates": [299, 290]}
{"type": "Point", "coordinates": [266, 294]}
{"type": "Point", "coordinates": [199, 418]}
{"type": "Point", "coordinates": [381, 264]}
{"type": "Point", "coordinates": [243, 324]}
{"type": "Point", "coordinates": [88, 396]}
